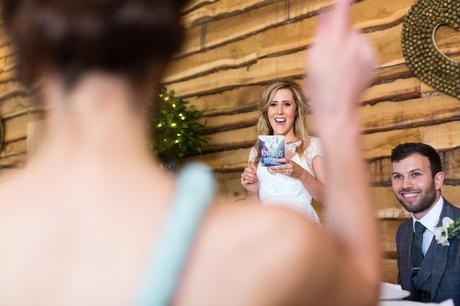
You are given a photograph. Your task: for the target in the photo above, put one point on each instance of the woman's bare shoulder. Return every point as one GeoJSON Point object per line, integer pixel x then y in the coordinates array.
{"type": "Point", "coordinates": [251, 244]}
{"type": "Point", "coordinates": [252, 218]}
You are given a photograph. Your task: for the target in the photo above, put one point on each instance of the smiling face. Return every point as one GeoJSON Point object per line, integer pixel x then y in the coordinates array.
{"type": "Point", "coordinates": [414, 185]}
{"type": "Point", "coordinates": [281, 114]}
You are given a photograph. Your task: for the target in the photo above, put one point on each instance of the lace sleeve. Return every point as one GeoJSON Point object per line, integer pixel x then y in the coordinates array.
{"type": "Point", "coordinates": [252, 155]}
{"type": "Point", "coordinates": [313, 150]}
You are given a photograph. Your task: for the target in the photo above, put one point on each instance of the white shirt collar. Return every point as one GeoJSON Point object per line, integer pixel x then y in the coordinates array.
{"type": "Point", "coordinates": [431, 219]}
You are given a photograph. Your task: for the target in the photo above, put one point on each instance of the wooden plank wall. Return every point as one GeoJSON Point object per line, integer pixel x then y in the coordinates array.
{"type": "Point", "coordinates": [236, 47]}
{"type": "Point", "coordinates": [17, 110]}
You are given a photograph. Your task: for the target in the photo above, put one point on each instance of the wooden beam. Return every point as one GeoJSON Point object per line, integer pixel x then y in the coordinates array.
{"type": "Point", "coordinates": [16, 127]}
{"type": "Point", "coordinates": [297, 35]}
{"type": "Point", "coordinates": [14, 148]}
{"type": "Point", "coordinates": [219, 10]}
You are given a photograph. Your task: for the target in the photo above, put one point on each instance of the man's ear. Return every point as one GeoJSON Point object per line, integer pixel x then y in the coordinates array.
{"type": "Point", "coordinates": [439, 180]}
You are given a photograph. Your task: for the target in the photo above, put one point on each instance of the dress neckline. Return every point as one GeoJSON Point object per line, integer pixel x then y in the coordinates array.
{"type": "Point", "coordinates": [294, 142]}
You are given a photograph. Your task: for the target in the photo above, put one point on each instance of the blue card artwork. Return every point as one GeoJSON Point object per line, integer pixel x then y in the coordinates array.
{"type": "Point", "coordinates": [271, 148]}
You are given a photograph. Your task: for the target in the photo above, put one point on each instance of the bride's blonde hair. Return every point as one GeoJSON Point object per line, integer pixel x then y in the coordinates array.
{"type": "Point", "coordinates": [263, 124]}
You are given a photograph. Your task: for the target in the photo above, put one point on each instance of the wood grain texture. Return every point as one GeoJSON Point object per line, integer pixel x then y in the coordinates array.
{"type": "Point", "coordinates": [386, 43]}
{"type": "Point", "coordinates": [16, 127]}
{"type": "Point", "coordinates": [433, 120]}
{"type": "Point", "coordinates": [217, 10]}
{"type": "Point", "coordinates": [229, 186]}
{"type": "Point", "coordinates": [390, 270]}
{"type": "Point", "coordinates": [297, 34]}
{"type": "Point", "coordinates": [13, 148]}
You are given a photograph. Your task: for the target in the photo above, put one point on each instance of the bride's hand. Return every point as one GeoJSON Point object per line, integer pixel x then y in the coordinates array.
{"type": "Point", "coordinates": [249, 180]}
{"type": "Point", "coordinates": [289, 168]}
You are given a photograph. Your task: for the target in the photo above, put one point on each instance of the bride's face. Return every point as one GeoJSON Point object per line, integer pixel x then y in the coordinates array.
{"type": "Point", "coordinates": [282, 112]}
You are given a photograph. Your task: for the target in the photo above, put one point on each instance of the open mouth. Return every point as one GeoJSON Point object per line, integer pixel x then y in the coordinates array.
{"type": "Point", "coordinates": [280, 120]}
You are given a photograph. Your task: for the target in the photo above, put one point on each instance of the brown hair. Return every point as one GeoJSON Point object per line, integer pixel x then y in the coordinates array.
{"type": "Point", "coordinates": [263, 124]}
{"type": "Point", "coordinates": [71, 37]}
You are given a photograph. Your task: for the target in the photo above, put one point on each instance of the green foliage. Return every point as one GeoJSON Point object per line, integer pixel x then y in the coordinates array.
{"type": "Point", "coordinates": [454, 230]}
{"type": "Point", "coordinates": [177, 132]}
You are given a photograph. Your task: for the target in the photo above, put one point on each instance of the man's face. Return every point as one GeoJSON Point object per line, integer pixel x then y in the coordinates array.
{"type": "Point", "coordinates": [413, 184]}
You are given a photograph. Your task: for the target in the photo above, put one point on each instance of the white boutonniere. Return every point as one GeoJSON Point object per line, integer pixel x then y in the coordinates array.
{"type": "Point", "coordinates": [447, 231]}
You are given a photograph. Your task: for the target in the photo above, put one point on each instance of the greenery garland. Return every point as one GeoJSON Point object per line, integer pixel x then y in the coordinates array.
{"type": "Point", "coordinates": [177, 132]}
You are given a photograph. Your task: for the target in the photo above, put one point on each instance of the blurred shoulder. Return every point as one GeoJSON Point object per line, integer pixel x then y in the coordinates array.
{"type": "Point", "coordinates": [273, 220]}
{"type": "Point", "coordinates": [278, 235]}
{"type": "Point", "coordinates": [252, 244]}
{"type": "Point", "coordinates": [263, 245]}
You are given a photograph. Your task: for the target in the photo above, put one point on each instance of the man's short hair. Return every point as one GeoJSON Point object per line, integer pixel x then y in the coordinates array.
{"type": "Point", "coordinates": [405, 150]}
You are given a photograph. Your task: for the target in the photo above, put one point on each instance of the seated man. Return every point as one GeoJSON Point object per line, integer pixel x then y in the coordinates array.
{"type": "Point", "coordinates": [430, 271]}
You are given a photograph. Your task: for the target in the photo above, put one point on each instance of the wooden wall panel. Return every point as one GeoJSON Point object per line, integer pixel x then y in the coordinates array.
{"type": "Point", "coordinates": [234, 48]}
{"type": "Point", "coordinates": [17, 109]}
{"type": "Point", "coordinates": [386, 203]}
{"type": "Point", "coordinates": [376, 145]}
{"type": "Point", "coordinates": [295, 25]}
{"type": "Point", "coordinates": [16, 127]}
{"type": "Point", "coordinates": [216, 10]}
{"type": "Point", "coordinates": [390, 270]}
{"type": "Point", "coordinates": [386, 42]}
{"type": "Point", "coordinates": [15, 147]}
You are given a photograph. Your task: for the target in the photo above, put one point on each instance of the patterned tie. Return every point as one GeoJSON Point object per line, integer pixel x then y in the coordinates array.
{"type": "Point", "coordinates": [417, 253]}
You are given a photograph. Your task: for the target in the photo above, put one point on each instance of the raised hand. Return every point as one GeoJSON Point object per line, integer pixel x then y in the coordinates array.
{"type": "Point", "coordinates": [340, 67]}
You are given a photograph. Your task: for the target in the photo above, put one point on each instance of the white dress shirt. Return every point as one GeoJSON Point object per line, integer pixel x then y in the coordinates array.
{"type": "Point", "coordinates": [430, 221]}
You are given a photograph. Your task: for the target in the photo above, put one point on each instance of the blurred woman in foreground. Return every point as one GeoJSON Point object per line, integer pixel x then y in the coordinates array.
{"type": "Point", "coordinates": [93, 221]}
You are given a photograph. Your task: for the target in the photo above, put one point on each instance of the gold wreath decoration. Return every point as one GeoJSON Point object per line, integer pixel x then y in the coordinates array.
{"type": "Point", "coordinates": [420, 50]}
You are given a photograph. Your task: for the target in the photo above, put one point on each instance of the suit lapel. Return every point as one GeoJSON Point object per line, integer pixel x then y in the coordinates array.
{"type": "Point", "coordinates": [406, 254]}
{"type": "Point", "coordinates": [439, 264]}
{"type": "Point", "coordinates": [440, 253]}
{"type": "Point", "coordinates": [427, 265]}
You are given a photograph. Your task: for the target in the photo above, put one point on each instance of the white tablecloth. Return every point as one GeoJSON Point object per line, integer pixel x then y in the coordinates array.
{"type": "Point", "coordinates": [410, 303]}
{"type": "Point", "coordinates": [392, 295]}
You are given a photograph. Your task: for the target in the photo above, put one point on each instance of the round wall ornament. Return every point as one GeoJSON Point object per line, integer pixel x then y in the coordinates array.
{"type": "Point", "coordinates": [419, 47]}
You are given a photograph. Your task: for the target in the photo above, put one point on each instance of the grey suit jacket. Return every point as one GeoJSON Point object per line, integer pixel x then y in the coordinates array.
{"type": "Point", "coordinates": [440, 271]}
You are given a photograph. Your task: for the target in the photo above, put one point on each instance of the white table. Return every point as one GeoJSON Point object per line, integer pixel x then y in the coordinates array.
{"type": "Point", "coordinates": [410, 303]}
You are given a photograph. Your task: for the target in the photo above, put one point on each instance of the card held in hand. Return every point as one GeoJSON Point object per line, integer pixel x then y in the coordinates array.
{"type": "Point", "coordinates": [271, 148]}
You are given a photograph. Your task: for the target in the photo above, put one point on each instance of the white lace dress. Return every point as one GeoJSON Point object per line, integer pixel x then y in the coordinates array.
{"type": "Point", "coordinates": [285, 190]}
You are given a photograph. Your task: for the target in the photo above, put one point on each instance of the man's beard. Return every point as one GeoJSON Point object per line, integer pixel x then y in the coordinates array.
{"type": "Point", "coordinates": [429, 196]}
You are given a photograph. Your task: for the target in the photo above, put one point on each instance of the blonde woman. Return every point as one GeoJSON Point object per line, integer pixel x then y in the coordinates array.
{"type": "Point", "coordinates": [282, 112]}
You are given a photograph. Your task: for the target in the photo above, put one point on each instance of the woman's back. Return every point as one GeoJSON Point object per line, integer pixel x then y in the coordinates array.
{"type": "Point", "coordinates": [65, 252]}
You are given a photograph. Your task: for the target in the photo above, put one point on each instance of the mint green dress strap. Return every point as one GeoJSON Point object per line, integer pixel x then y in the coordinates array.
{"type": "Point", "coordinates": [195, 191]}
